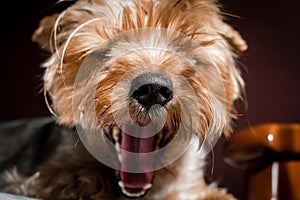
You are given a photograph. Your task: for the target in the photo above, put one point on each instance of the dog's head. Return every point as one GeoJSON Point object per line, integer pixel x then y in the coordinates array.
{"type": "Point", "coordinates": [142, 74]}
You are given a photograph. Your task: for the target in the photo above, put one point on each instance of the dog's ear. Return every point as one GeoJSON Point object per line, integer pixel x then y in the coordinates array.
{"type": "Point", "coordinates": [233, 37]}
{"type": "Point", "coordinates": [42, 35]}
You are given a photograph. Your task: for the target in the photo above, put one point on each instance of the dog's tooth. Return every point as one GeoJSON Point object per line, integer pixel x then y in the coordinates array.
{"type": "Point", "coordinates": [118, 149]}
{"type": "Point", "coordinates": [120, 157]}
{"type": "Point", "coordinates": [121, 184]}
{"type": "Point", "coordinates": [116, 137]}
{"type": "Point", "coordinates": [133, 195]}
{"type": "Point", "coordinates": [148, 186]}
{"type": "Point", "coordinates": [117, 146]}
{"type": "Point", "coordinates": [116, 133]}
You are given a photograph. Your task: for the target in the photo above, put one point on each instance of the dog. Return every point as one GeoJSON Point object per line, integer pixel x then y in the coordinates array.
{"type": "Point", "coordinates": [140, 91]}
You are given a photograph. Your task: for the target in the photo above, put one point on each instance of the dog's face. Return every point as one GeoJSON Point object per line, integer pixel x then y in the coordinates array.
{"type": "Point", "coordinates": [142, 74]}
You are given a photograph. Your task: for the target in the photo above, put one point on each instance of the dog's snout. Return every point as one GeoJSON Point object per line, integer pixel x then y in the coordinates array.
{"type": "Point", "coordinates": [151, 89]}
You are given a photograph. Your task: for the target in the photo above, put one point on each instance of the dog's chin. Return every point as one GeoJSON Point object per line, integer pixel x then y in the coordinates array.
{"type": "Point", "coordinates": [127, 142]}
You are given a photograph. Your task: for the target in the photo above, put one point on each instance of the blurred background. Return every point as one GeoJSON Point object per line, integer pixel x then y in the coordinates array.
{"type": "Point", "coordinates": [270, 67]}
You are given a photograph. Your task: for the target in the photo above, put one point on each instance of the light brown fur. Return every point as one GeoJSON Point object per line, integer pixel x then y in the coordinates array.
{"type": "Point", "coordinates": [185, 40]}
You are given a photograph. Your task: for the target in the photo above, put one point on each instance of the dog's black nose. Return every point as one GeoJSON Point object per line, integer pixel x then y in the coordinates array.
{"type": "Point", "coordinates": [151, 89]}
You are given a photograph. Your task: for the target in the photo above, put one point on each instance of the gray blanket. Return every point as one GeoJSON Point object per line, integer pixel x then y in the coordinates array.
{"type": "Point", "coordinates": [5, 196]}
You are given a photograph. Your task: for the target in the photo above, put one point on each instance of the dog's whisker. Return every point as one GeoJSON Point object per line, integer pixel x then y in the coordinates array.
{"type": "Point", "coordinates": [231, 15]}
{"type": "Point", "coordinates": [72, 34]}
{"type": "Point", "coordinates": [76, 144]}
{"type": "Point", "coordinates": [47, 103]}
{"type": "Point", "coordinates": [213, 162]}
{"type": "Point", "coordinates": [54, 34]}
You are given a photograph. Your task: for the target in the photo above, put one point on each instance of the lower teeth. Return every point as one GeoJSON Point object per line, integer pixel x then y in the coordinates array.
{"type": "Point", "coordinates": [145, 188]}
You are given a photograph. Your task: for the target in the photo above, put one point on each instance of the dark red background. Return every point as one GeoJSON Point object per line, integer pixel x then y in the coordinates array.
{"type": "Point", "coordinates": [271, 67]}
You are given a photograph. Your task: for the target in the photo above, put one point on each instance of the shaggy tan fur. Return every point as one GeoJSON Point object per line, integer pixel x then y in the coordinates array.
{"type": "Point", "coordinates": [184, 40]}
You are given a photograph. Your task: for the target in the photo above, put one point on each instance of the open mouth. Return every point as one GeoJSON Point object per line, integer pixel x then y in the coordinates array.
{"type": "Point", "coordinates": [138, 140]}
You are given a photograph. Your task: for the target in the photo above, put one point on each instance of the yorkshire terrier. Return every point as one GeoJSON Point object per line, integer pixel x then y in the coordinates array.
{"type": "Point", "coordinates": [141, 90]}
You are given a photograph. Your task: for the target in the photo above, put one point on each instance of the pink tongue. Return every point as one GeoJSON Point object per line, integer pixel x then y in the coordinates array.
{"type": "Point", "coordinates": [142, 163]}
